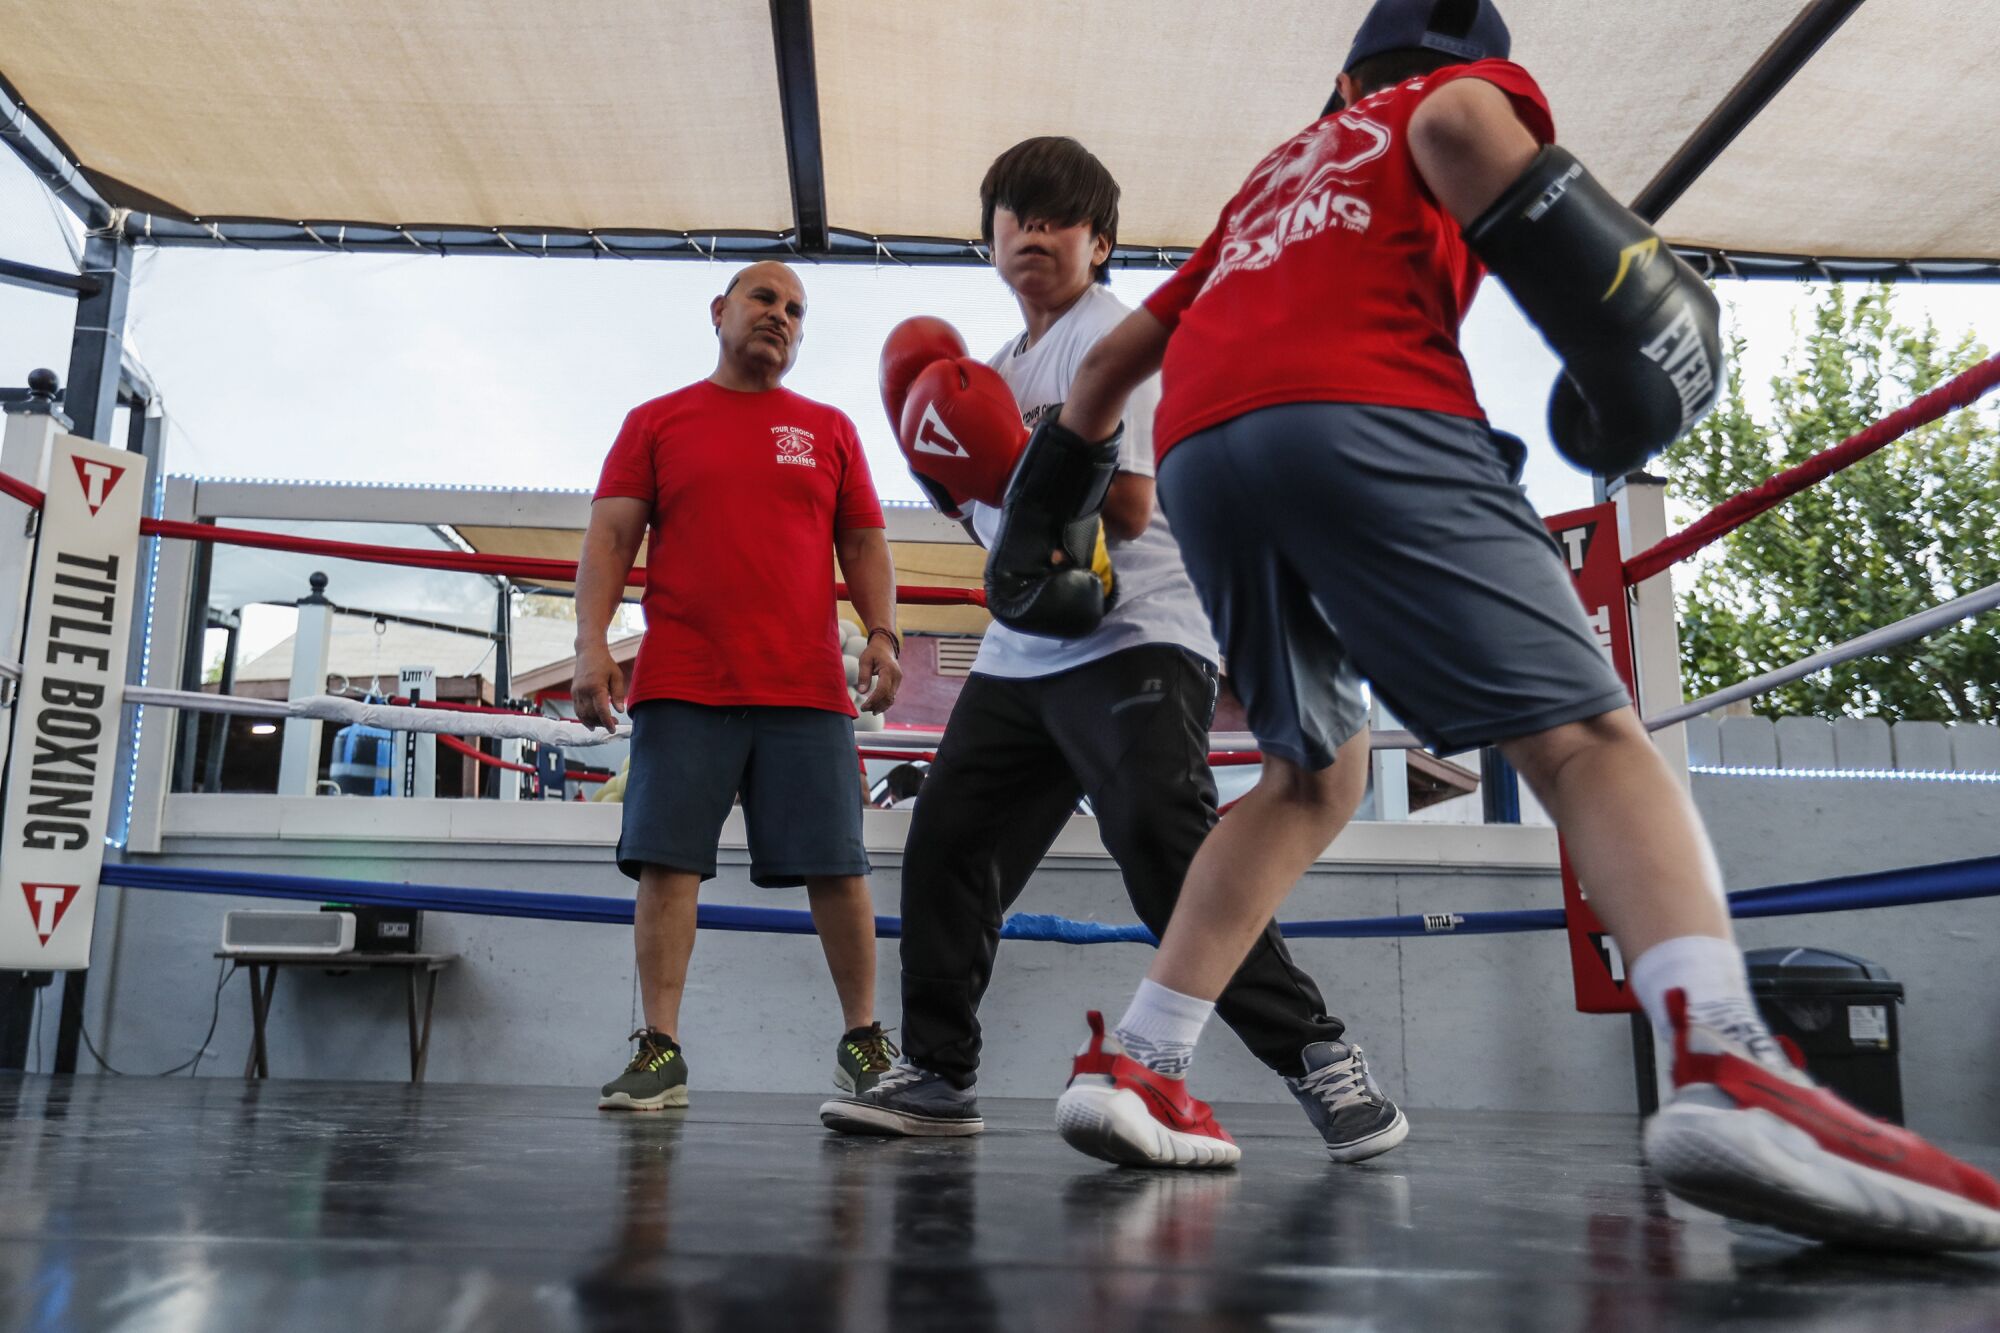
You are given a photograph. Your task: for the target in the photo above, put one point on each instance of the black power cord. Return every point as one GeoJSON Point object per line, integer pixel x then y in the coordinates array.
{"type": "Point", "coordinates": [223, 972]}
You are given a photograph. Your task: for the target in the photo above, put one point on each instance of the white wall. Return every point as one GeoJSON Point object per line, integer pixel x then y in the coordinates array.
{"type": "Point", "coordinates": [1448, 1021]}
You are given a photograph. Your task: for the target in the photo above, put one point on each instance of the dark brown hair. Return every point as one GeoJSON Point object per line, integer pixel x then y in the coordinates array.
{"type": "Point", "coordinates": [1392, 67]}
{"type": "Point", "coordinates": [1448, 18]}
{"type": "Point", "coordinates": [1057, 180]}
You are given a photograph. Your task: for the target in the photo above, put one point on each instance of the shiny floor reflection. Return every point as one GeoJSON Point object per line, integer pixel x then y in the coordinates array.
{"type": "Point", "coordinates": [211, 1204]}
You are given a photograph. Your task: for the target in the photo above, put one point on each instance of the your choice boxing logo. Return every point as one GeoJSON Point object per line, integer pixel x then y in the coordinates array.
{"type": "Point", "coordinates": [1300, 191]}
{"type": "Point", "coordinates": [795, 445]}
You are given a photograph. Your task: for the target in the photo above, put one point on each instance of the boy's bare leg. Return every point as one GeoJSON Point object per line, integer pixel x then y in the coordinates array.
{"type": "Point", "coordinates": [1249, 864]}
{"type": "Point", "coordinates": [1631, 829]}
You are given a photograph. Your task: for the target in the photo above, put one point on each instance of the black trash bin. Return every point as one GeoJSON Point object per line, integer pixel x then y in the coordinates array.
{"type": "Point", "coordinates": [1841, 1010]}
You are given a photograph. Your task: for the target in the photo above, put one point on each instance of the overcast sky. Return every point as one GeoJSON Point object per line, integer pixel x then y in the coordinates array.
{"type": "Point", "coordinates": [517, 371]}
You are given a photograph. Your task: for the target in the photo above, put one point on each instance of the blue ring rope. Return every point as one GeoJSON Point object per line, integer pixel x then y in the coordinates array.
{"type": "Point", "coordinates": [1949, 882]}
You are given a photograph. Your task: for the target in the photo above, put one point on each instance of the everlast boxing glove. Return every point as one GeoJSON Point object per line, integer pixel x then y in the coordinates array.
{"type": "Point", "coordinates": [1636, 328]}
{"type": "Point", "coordinates": [1053, 505]}
{"type": "Point", "coordinates": [961, 434]}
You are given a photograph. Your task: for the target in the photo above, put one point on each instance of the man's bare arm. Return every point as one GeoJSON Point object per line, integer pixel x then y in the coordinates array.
{"type": "Point", "coordinates": [617, 526]}
{"type": "Point", "coordinates": [870, 574]}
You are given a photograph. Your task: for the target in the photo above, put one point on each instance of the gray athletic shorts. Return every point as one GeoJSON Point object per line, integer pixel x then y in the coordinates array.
{"type": "Point", "coordinates": [1336, 541]}
{"type": "Point", "coordinates": [795, 768]}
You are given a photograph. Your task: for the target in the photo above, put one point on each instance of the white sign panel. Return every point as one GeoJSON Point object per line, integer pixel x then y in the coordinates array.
{"type": "Point", "coordinates": [65, 725]}
{"type": "Point", "coordinates": [416, 751]}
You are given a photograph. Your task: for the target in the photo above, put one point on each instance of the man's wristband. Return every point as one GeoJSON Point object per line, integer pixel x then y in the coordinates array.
{"type": "Point", "coordinates": [895, 644]}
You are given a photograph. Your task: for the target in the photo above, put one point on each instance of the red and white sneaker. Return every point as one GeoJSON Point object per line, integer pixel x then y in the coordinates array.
{"type": "Point", "coordinates": [1752, 1140]}
{"type": "Point", "coordinates": [1120, 1111]}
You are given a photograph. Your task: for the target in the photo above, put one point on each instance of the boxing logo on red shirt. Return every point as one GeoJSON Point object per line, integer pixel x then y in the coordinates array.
{"type": "Point", "coordinates": [1292, 196]}
{"type": "Point", "coordinates": [795, 445]}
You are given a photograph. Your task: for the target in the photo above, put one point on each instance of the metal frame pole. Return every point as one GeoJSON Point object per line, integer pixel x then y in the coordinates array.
{"type": "Point", "coordinates": [97, 348]}
{"type": "Point", "coordinates": [798, 102]}
{"type": "Point", "coordinates": [188, 740]}
{"type": "Point", "coordinates": [232, 629]}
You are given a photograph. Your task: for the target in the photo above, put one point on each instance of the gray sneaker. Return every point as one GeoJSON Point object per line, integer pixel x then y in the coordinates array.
{"type": "Point", "coordinates": [906, 1100]}
{"type": "Point", "coordinates": [656, 1078]}
{"type": "Point", "coordinates": [1341, 1099]}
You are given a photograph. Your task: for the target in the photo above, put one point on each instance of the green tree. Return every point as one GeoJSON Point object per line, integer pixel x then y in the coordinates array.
{"type": "Point", "coordinates": [1915, 524]}
{"type": "Point", "coordinates": [545, 606]}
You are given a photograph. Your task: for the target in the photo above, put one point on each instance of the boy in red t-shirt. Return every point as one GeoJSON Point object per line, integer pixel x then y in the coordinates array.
{"type": "Point", "coordinates": [746, 489]}
{"type": "Point", "coordinates": [1345, 512]}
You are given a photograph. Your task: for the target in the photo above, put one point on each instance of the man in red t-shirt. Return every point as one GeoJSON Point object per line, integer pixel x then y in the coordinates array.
{"type": "Point", "coordinates": [1345, 511]}
{"type": "Point", "coordinates": [746, 490]}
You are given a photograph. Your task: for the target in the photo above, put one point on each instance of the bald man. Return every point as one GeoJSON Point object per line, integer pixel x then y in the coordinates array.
{"type": "Point", "coordinates": [739, 688]}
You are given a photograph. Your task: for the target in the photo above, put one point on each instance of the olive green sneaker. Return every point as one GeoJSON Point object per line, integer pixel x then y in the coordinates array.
{"type": "Point", "coordinates": [657, 1076]}
{"type": "Point", "coordinates": [863, 1056]}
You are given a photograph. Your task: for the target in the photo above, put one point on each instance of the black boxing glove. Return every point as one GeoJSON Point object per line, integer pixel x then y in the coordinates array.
{"type": "Point", "coordinates": [1636, 328]}
{"type": "Point", "coordinates": [1052, 505]}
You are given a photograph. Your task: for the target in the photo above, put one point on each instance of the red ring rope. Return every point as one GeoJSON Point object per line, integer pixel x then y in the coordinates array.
{"type": "Point", "coordinates": [21, 491]}
{"type": "Point", "coordinates": [458, 746]}
{"type": "Point", "coordinates": [464, 562]}
{"type": "Point", "coordinates": [1959, 391]}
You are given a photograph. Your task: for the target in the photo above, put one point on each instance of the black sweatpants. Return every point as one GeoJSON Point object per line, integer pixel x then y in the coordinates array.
{"type": "Point", "coordinates": [1130, 731]}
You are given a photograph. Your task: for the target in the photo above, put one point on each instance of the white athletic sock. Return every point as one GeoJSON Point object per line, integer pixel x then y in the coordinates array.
{"type": "Point", "coordinates": [1711, 973]}
{"type": "Point", "coordinates": [1161, 1027]}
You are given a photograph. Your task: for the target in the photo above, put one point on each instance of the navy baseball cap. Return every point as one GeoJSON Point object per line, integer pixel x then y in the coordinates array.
{"type": "Point", "coordinates": [1469, 29]}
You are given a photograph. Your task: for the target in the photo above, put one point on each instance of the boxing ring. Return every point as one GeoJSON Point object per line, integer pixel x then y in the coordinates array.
{"type": "Point", "coordinates": [854, 134]}
{"type": "Point", "coordinates": [421, 1191]}
{"type": "Point", "coordinates": [463, 727]}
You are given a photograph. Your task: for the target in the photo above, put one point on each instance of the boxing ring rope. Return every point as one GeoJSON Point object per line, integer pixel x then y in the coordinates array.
{"type": "Point", "coordinates": [1866, 645]}
{"type": "Point", "coordinates": [1959, 391]}
{"type": "Point", "coordinates": [400, 715]}
{"type": "Point", "coordinates": [457, 746]}
{"type": "Point", "coordinates": [1952, 881]}
{"type": "Point", "coordinates": [1930, 884]}
{"type": "Point", "coordinates": [525, 568]}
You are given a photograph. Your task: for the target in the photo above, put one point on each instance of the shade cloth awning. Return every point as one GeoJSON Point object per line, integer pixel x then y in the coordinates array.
{"type": "Point", "coordinates": [833, 125]}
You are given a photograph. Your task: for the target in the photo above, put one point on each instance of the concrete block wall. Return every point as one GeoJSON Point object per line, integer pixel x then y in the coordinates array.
{"type": "Point", "coordinates": [1845, 743]}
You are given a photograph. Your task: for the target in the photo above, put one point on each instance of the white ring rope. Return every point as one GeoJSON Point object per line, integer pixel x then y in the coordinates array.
{"type": "Point", "coordinates": [573, 735]}
{"type": "Point", "coordinates": [389, 717]}
{"type": "Point", "coordinates": [1866, 645]}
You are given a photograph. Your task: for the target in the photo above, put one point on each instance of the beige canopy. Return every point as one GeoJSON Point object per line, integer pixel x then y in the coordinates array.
{"type": "Point", "coordinates": [834, 123]}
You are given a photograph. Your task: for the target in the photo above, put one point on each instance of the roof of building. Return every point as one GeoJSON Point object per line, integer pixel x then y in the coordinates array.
{"type": "Point", "coordinates": [359, 653]}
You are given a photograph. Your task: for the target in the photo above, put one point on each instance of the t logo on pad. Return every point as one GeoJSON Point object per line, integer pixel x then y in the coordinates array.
{"type": "Point", "coordinates": [97, 479]}
{"type": "Point", "coordinates": [48, 902]}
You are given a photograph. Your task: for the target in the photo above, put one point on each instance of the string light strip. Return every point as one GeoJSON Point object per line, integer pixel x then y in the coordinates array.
{"type": "Point", "coordinates": [1849, 774]}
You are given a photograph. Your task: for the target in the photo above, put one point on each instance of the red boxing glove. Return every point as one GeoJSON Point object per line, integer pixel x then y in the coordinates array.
{"type": "Point", "coordinates": [961, 434]}
{"type": "Point", "coordinates": [911, 346]}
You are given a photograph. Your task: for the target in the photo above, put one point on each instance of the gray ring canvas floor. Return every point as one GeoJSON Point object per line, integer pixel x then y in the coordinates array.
{"type": "Point", "coordinates": [213, 1204]}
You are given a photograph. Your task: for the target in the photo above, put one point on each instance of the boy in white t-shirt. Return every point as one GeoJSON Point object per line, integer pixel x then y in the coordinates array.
{"type": "Point", "coordinates": [1120, 715]}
